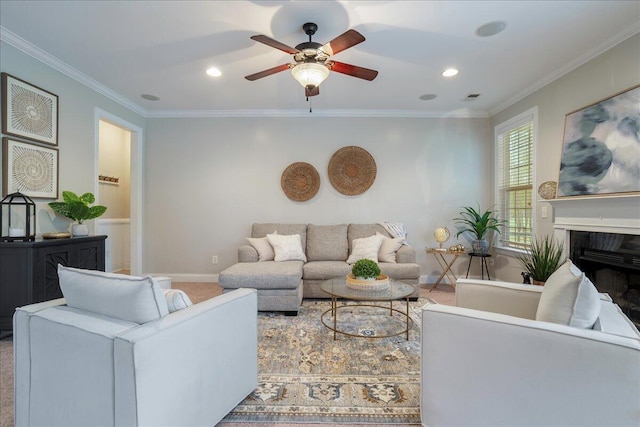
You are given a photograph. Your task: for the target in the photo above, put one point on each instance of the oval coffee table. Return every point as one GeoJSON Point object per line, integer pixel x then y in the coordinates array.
{"type": "Point", "coordinates": [338, 288]}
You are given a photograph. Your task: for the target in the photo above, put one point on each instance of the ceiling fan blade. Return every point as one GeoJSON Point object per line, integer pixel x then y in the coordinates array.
{"type": "Point", "coordinates": [312, 92]}
{"type": "Point", "coordinates": [342, 42]}
{"type": "Point", "coordinates": [268, 72]}
{"type": "Point", "coordinates": [275, 43]}
{"type": "Point", "coordinates": [352, 70]}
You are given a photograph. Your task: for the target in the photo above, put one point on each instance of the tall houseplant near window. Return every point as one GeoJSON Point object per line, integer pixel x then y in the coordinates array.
{"type": "Point", "coordinates": [478, 225]}
{"type": "Point", "coordinates": [77, 208]}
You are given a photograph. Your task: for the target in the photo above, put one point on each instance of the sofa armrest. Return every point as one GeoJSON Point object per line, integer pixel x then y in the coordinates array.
{"type": "Point", "coordinates": [513, 371]}
{"type": "Point", "coordinates": [406, 254]}
{"type": "Point", "coordinates": [204, 357]}
{"type": "Point", "coordinates": [247, 253]}
{"type": "Point", "coordinates": [513, 299]}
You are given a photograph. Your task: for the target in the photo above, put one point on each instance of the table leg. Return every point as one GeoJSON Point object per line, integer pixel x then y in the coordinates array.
{"type": "Point", "coordinates": [469, 266]}
{"type": "Point", "coordinates": [334, 308]}
{"type": "Point", "coordinates": [446, 269]}
{"type": "Point", "coordinates": [407, 318]}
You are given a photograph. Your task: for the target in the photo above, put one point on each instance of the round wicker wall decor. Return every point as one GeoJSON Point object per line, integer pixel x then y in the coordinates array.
{"type": "Point", "coordinates": [547, 190]}
{"type": "Point", "coordinates": [300, 181]}
{"type": "Point", "coordinates": [352, 170]}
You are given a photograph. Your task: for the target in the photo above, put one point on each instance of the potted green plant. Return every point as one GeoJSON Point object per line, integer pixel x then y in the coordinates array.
{"type": "Point", "coordinates": [544, 257]}
{"type": "Point", "coordinates": [478, 225]}
{"type": "Point", "coordinates": [77, 208]}
{"type": "Point", "coordinates": [365, 269]}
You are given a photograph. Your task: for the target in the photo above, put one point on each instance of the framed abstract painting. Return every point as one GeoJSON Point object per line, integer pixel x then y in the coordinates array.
{"type": "Point", "coordinates": [30, 169]}
{"type": "Point", "coordinates": [601, 147]}
{"type": "Point", "coordinates": [28, 111]}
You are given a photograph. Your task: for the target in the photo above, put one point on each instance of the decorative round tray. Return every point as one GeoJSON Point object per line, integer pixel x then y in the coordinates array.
{"type": "Point", "coordinates": [380, 284]}
{"type": "Point", "coordinates": [59, 235]}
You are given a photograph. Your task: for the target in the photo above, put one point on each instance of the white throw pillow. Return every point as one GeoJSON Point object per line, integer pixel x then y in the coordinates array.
{"type": "Point", "coordinates": [263, 247]}
{"type": "Point", "coordinates": [287, 247]}
{"type": "Point", "coordinates": [131, 298]}
{"type": "Point", "coordinates": [176, 299]}
{"type": "Point", "coordinates": [389, 247]}
{"type": "Point", "coordinates": [569, 298]}
{"type": "Point", "coordinates": [367, 247]}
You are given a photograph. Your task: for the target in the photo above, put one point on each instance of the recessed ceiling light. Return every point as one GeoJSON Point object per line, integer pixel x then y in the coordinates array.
{"type": "Point", "coordinates": [428, 96]}
{"type": "Point", "coordinates": [491, 28]}
{"type": "Point", "coordinates": [149, 97]}
{"type": "Point", "coordinates": [450, 72]}
{"type": "Point", "coordinates": [214, 72]}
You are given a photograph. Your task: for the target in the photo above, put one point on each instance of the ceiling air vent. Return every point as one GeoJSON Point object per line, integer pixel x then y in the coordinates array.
{"type": "Point", "coordinates": [472, 97]}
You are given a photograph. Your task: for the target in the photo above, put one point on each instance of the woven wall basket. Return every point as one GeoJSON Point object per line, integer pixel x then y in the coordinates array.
{"type": "Point", "coordinates": [300, 181]}
{"type": "Point", "coordinates": [352, 170]}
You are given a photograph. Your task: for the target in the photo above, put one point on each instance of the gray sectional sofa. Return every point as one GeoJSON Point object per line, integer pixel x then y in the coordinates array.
{"type": "Point", "coordinates": [282, 285]}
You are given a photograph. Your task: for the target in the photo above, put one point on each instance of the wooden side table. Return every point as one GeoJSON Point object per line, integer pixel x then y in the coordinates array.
{"type": "Point", "coordinates": [483, 264]}
{"type": "Point", "coordinates": [445, 264]}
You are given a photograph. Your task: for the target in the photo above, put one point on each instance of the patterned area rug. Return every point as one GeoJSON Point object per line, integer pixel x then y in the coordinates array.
{"type": "Point", "coordinates": [307, 376]}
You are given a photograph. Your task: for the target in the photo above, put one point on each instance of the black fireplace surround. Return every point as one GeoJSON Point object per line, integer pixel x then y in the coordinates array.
{"type": "Point", "coordinates": [612, 262]}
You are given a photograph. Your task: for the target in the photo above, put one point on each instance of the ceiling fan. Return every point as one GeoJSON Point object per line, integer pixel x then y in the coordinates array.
{"type": "Point", "coordinates": [312, 63]}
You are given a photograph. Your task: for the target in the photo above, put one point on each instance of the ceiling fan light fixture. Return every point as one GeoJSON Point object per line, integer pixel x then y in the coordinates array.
{"type": "Point", "coordinates": [310, 74]}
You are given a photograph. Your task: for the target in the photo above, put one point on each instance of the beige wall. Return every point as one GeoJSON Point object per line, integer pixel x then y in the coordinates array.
{"type": "Point", "coordinates": [209, 179]}
{"type": "Point", "coordinates": [609, 73]}
{"type": "Point", "coordinates": [76, 126]}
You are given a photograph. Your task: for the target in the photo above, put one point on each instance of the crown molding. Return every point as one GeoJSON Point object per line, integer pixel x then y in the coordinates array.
{"type": "Point", "coordinates": [458, 114]}
{"type": "Point", "coordinates": [621, 36]}
{"type": "Point", "coordinates": [53, 62]}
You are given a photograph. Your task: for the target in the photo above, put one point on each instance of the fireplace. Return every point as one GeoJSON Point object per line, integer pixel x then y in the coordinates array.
{"type": "Point", "coordinates": [612, 262]}
{"type": "Point", "coordinates": [601, 236]}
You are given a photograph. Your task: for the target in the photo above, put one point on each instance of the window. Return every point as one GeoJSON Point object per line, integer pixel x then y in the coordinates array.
{"type": "Point", "coordinates": [514, 169]}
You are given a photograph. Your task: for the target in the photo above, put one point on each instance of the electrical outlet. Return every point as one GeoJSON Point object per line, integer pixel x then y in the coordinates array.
{"type": "Point", "coordinates": [214, 259]}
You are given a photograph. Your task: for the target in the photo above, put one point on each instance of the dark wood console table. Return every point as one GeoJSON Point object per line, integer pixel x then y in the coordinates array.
{"type": "Point", "coordinates": [29, 270]}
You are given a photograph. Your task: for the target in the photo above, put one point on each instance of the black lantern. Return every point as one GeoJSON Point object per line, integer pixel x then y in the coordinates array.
{"type": "Point", "coordinates": [18, 218]}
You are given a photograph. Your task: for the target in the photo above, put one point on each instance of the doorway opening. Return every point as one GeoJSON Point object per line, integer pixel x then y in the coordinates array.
{"type": "Point", "coordinates": [118, 186]}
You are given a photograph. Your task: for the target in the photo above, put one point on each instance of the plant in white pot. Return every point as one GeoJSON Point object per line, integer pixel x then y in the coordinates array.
{"type": "Point", "coordinates": [478, 225]}
{"type": "Point", "coordinates": [365, 269]}
{"type": "Point", "coordinates": [77, 208]}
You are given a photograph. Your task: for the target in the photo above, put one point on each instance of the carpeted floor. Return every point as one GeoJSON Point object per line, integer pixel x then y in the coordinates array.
{"type": "Point", "coordinates": [444, 294]}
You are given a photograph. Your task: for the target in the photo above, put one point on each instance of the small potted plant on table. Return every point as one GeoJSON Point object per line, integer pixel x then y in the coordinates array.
{"type": "Point", "coordinates": [365, 275]}
{"type": "Point", "coordinates": [77, 208]}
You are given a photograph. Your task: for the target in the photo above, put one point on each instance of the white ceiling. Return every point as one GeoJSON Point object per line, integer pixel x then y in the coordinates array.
{"type": "Point", "coordinates": [128, 48]}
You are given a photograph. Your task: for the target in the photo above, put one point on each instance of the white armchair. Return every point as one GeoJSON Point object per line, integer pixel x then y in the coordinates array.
{"type": "Point", "coordinates": [189, 368]}
{"type": "Point", "coordinates": [488, 362]}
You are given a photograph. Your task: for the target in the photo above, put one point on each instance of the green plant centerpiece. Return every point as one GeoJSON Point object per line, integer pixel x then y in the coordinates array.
{"type": "Point", "coordinates": [544, 258]}
{"type": "Point", "coordinates": [365, 269]}
{"type": "Point", "coordinates": [478, 225]}
{"type": "Point", "coordinates": [79, 209]}
{"type": "Point", "coordinates": [365, 275]}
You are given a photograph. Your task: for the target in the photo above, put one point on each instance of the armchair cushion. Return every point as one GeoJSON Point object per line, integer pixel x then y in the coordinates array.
{"type": "Point", "coordinates": [176, 299]}
{"type": "Point", "coordinates": [569, 298]}
{"type": "Point", "coordinates": [130, 298]}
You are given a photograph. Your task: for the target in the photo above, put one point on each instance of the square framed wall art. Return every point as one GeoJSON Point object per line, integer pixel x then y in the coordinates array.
{"type": "Point", "coordinates": [601, 148]}
{"type": "Point", "coordinates": [30, 169]}
{"type": "Point", "coordinates": [28, 111]}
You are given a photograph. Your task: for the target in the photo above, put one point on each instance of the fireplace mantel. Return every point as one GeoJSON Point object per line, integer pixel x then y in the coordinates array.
{"type": "Point", "coordinates": [614, 214]}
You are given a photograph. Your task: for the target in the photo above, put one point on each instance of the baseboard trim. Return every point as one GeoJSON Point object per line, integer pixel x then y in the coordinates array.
{"type": "Point", "coordinates": [209, 278]}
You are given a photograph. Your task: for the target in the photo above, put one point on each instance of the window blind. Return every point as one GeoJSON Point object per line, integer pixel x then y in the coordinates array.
{"type": "Point", "coordinates": [515, 183]}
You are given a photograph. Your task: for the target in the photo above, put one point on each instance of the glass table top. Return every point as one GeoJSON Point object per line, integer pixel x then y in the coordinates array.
{"type": "Point", "coordinates": [337, 287]}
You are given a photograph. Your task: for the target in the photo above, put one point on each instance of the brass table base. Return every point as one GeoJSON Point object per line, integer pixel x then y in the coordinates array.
{"type": "Point", "coordinates": [333, 326]}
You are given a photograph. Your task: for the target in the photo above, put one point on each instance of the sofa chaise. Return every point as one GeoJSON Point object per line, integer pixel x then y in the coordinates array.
{"type": "Point", "coordinates": [326, 249]}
